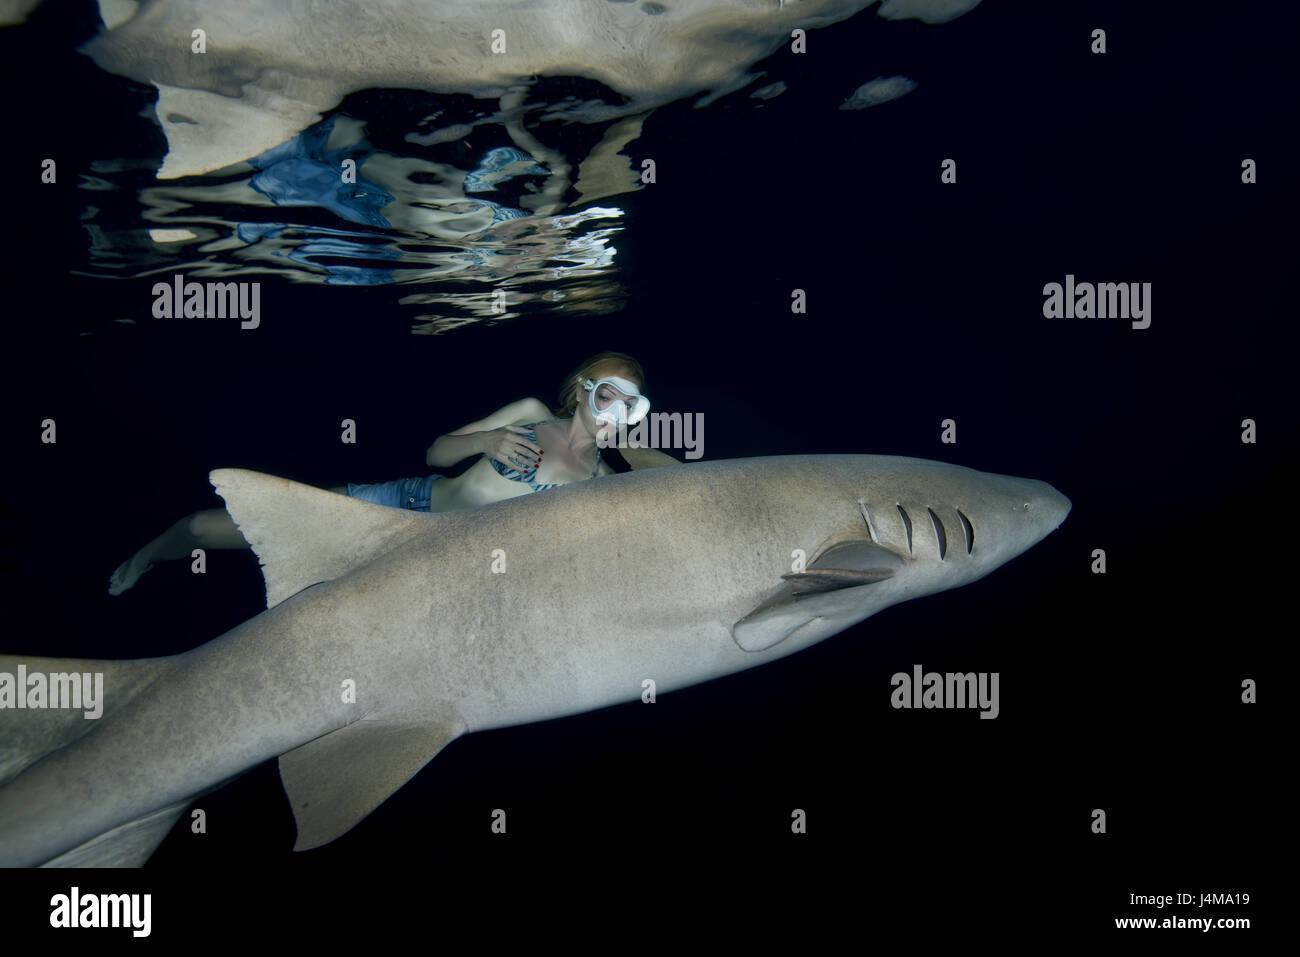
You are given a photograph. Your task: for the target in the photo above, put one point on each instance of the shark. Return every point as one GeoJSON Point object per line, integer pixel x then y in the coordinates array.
{"type": "Point", "coordinates": [234, 81]}
{"type": "Point", "coordinates": [388, 634]}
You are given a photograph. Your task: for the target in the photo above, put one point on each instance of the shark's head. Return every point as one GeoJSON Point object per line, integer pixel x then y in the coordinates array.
{"type": "Point", "coordinates": [1015, 514]}
{"type": "Point", "coordinates": [957, 520]}
{"type": "Point", "coordinates": [924, 527]}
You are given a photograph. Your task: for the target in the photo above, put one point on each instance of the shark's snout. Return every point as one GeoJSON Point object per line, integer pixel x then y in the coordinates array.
{"type": "Point", "coordinates": [1056, 505]}
{"type": "Point", "coordinates": [1048, 507]}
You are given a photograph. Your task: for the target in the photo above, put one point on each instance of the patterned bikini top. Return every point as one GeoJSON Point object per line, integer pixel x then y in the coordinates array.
{"type": "Point", "coordinates": [529, 475]}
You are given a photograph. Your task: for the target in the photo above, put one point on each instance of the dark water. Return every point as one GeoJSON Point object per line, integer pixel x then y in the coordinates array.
{"type": "Point", "coordinates": [1119, 691]}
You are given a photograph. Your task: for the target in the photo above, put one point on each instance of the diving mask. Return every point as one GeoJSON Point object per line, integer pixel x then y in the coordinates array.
{"type": "Point", "coordinates": [615, 400]}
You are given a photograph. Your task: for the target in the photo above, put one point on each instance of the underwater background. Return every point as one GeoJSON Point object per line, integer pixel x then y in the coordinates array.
{"type": "Point", "coordinates": [924, 302]}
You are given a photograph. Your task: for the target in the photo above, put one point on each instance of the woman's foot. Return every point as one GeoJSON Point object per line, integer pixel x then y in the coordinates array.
{"type": "Point", "coordinates": [128, 573]}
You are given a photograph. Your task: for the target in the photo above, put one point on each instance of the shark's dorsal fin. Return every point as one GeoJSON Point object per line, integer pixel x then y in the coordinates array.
{"type": "Point", "coordinates": [827, 589]}
{"type": "Point", "coordinates": [302, 534]}
{"type": "Point", "coordinates": [336, 780]}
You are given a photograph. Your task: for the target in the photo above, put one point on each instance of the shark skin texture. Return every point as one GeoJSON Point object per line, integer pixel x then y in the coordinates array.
{"type": "Point", "coordinates": [520, 611]}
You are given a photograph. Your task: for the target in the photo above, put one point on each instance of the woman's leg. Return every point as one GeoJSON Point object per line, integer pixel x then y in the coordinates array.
{"type": "Point", "coordinates": [409, 493]}
{"type": "Point", "coordinates": [211, 529]}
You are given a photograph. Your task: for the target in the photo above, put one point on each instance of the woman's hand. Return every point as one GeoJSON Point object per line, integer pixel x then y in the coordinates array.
{"type": "Point", "coordinates": [511, 446]}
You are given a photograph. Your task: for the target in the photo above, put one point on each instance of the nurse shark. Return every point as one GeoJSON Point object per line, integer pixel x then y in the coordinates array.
{"type": "Point", "coordinates": [268, 71]}
{"type": "Point", "coordinates": [388, 634]}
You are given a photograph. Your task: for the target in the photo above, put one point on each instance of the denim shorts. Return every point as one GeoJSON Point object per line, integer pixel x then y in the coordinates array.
{"type": "Point", "coordinates": [412, 493]}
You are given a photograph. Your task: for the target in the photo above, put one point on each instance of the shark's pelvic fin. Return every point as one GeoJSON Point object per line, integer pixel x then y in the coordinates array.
{"type": "Point", "coordinates": [336, 780]}
{"type": "Point", "coordinates": [303, 534]}
{"type": "Point", "coordinates": [827, 589]}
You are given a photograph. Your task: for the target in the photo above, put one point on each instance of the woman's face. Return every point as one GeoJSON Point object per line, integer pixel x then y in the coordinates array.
{"type": "Point", "coordinates": [605, 395]}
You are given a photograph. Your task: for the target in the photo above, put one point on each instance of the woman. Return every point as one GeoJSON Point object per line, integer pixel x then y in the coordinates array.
{"type": "Point", "coordinates": [513, 443]}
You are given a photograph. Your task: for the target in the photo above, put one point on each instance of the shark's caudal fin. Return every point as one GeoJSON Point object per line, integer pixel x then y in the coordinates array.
{"type": "Point", "coordinates": [127, 845]}
{"type": "Point", "coordinates": [30, 733]}
{"type": "Point", "coordinates": [303, 534]}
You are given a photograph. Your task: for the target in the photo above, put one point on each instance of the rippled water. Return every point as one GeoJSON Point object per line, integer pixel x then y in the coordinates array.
{"type": "Point", "coordinates": [476, 156]}
{"type": "Point", "coordinates": [467, 242]}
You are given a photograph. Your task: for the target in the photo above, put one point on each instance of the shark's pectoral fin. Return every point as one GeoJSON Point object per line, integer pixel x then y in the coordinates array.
{"type": "Point", "coordinates": [828, 589]}
{"type": "Point", "coordinates": [865, 557]}
{"type": "Point", "coordinates": [336, 780]}
{"type": "Point", "coordinates": [832, 579]}
{"type": "Point", "coordinates": [303, 534]}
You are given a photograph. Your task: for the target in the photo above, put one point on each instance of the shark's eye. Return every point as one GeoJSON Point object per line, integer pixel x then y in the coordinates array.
{"type": "Point", "coordinates": [1026, 506]}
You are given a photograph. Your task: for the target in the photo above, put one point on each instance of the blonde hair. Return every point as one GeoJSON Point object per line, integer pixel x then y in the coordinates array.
{"type": "Point", "coordinates": [602, 364]}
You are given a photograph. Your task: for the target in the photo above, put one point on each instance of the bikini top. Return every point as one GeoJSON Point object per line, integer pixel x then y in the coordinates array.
{"type": "Point", "coordinates": [528, 475]}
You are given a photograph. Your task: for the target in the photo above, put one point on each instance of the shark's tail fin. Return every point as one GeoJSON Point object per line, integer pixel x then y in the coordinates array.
{"type": "Point", "coordinates": [63, 699]}
{"type": "Point", "coordinates": [45, 702]}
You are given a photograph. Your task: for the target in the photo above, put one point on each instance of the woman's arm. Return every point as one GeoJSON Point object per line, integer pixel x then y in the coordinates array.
{"type": "Point", "coordinates": [468, 439]}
